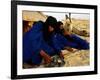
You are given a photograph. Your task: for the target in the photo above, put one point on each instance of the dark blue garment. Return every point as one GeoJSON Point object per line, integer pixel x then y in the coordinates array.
{"type": "Point", "coordinates": [33, 43]}
{"type": "Point", "coordinates": [83, 44]}
{"type": "Point", "coordinates": [58, 42]}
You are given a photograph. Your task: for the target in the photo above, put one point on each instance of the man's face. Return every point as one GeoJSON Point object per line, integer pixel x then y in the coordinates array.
{"type": "Point", "coordinates": [51, 29]}
{"type": "Point", "coordinates": [61, 26]}
{"type": "Point", "coordinates": [30, 24]}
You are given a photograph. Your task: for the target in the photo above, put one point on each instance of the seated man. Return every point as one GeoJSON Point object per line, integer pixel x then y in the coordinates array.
{"type": "Point", "coordinates": [34, 46]}
{"type": "Point", "coordinates": [82, 44]}
{"type": "Point", "coordinates": [58, 41]}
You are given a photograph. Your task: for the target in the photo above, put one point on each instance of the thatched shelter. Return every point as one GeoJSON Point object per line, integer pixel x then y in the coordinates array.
{"type": "Point", "coordinates": [33, 16]}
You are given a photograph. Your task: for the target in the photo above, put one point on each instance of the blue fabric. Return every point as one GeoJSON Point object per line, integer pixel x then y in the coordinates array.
{"type": "Point", "coordinates": [33, 43]}
{"type": "Point", "coordinates": [58, 42]}
{"type": "Point", "coordinates": [81, 42]}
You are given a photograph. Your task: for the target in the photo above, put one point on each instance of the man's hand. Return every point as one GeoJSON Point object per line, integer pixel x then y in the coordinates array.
{"type": "Point", "coordinates": [45, 56]}
{"type": "Point", "coordinates": [61, 55]}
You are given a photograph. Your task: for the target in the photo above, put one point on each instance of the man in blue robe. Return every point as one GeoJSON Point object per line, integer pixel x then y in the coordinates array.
{"type": "Point", "coordinates": [34, 46]}
{"type": "Point", "coordinates": [58, 41]}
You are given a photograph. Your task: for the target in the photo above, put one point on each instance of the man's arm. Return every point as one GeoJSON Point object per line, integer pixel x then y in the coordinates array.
{"type": "Point", "coordinates": [45, 56]}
